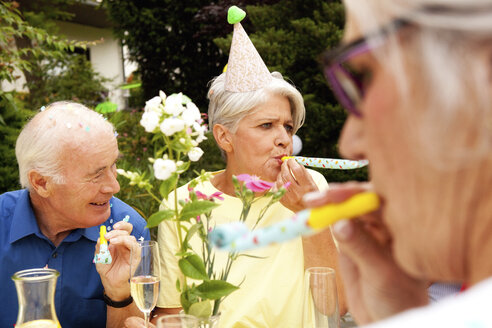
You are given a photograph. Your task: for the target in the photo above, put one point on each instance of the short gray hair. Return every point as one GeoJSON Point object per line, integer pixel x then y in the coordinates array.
{"type": "Point", "coordinates": [452, 48]}
{"type": "Point", "coordinates": [47, 134]}
{"type": "Point", "coordinates": [228, 108]}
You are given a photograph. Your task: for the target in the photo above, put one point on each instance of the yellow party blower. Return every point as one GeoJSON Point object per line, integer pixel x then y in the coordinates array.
{"type": "Point", "coordinates": [104, 256]}
{"type": "Point", "coordinates": [235, 236]}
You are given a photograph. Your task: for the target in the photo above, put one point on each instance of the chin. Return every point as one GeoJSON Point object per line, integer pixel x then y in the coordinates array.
{"type": "Point", "coordinates": [271, 175]}
{"type": "Point", "coordinates": [99, 218]}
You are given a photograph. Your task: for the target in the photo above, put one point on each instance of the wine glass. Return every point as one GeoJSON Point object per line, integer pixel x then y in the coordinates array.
{"type": "Point", "coordinates": [320, 298]}
{"type": "Point", "coordinates": [145, 273]}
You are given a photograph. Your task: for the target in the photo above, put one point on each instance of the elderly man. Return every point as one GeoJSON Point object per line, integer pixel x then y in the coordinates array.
{"type": "Point", "coordinates": [67, 162]}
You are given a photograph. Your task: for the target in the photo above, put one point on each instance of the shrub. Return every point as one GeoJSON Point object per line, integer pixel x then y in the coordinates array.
{"type": "Point", "coordinates": [14, 116]}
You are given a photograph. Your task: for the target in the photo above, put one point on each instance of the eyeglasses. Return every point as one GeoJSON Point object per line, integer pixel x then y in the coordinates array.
{"type": "Point", "coordinates": [347, 86]}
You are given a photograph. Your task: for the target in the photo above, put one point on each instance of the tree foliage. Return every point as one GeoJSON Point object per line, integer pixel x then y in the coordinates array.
{"type": "Point", "coordinates": [162, 38]}
{"type": "Point", "coordinates": [70, 78]}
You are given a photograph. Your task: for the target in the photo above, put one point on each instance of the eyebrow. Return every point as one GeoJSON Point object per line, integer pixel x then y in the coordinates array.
{"type": "Point", "coordinates": [274, 119]}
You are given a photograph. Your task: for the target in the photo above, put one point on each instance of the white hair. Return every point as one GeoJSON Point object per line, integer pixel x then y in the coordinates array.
{"type": "Point", "coordinates": [451, 46]}
{"type": "Point", "coordinates": [228, 108]}
{"type": "Point", "coordinates": [47, 134]}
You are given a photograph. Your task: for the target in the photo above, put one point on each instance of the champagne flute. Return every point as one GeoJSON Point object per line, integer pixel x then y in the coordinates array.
{"type": "Point", "coordinates": [145, 273]}
{"type": "Point", "coordinates": [320, 299]}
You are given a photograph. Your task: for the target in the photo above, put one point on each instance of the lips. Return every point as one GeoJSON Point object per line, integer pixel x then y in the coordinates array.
{"type": "Point", "coordinates": [279, 158]}
{"type": "Point", "coordinates": [100, 204]}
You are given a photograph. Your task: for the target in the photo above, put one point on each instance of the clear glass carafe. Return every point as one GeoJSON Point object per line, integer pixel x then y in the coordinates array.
{"type": "Point", "coordinates": [36, 296]}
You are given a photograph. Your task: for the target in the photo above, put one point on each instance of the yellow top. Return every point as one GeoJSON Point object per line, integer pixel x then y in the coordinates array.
{"type": "Point", "coordinates": [102, 232]}
{"type": "Point", "coordinates": [359, 204]}
{"type": "Point", "coordinates": [271, 287]}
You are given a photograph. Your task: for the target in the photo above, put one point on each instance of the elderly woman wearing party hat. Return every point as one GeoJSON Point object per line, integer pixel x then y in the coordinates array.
{"type": "Point", "coordinates": [253, 115]}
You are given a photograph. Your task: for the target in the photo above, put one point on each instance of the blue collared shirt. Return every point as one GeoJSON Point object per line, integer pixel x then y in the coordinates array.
{"type": "Point", "coordinates": [79, 291]}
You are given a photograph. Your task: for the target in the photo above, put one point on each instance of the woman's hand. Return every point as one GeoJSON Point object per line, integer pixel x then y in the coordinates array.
{"type": "Point", "coordinates": [115, 276]}
{"type": "Point", "coordinates": [300, 181]}
{"type": "Point", "coordinates": [375, 286]}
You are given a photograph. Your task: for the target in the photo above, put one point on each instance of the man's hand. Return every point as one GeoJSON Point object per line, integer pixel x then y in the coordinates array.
{"type": "Point", "coordinates": [115, 276]}
{"type": "Point", "coordinates": [136, 322]}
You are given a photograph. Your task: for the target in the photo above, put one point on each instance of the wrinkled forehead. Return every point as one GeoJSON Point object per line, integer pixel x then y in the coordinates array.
{"type": "Point", "coordinates": [352, 30]}
{"type": "Point", "coordinates": [100, 145]}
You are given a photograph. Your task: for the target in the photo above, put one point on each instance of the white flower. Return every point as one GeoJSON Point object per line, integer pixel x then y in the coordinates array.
{"type": "Point", "coordinates": [199, 132]}
{"type": "Point", "coordinates": [174, 104]}
{"type": "Point", "coordinates": [162, 95]}
{"type": "Point", "coordinates": [195, 154]}
{"type": "Point", "coordinates": [191, 114]}
{"type": "Point", "coordinates": [150, 121]}
{"type": "Point", "coordinates": [123, 172]}
{"type": "Point", "coordinates": [163, 168]}
{"type": "Point", "coordinates": [172, 125]}
{"type": "Point", "coordinates": [200, 137]}
{"type": "Point", "coordinates": [153, 105]}
{"type": "Point", "coordinates": [134, 177]}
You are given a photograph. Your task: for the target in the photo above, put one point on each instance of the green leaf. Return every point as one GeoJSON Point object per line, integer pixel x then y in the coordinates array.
{"type": "Point", "coordinates": [215, 289]}
{"type": "Point", "coordinates": [158, 217]}
{"type": "Point", "coordinates": [178, 285]}
{"type": "Point", "coordinates": [168, 185]}
{"type": "Point", "coordinates": [192, 266]}
{"type": "Point", "coordinates": [131, 85]}
{"type": "Point", "coordinates": [184, 167]}
{"type": "Point", "coordinates": [193, 209]}
{"type": "Point", "coordinates": [185, 302]}
{"type": "Point", "coordinates": [201, 309]}
{"type": "Point", "coordinates": [178, 146]}
{"type": "Point", "coordinates": [189, 234]}
{"type": "Point", "coordinates": [106, 107]}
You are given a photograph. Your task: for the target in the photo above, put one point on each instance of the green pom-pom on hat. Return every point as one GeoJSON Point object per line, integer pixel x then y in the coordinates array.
{"type": "Point", "coordinates": [235, 15]}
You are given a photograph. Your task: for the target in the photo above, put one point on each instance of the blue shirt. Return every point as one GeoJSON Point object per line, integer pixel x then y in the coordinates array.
{"type": "Point", "coordinates": [79, 291]}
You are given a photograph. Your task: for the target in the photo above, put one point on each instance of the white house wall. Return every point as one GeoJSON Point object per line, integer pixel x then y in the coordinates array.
{"type": "Point", "coordinates": [106, 55]}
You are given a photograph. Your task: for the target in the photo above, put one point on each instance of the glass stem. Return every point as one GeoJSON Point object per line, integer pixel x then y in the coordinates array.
{"type": "Point", "coordinates": [147, 318]}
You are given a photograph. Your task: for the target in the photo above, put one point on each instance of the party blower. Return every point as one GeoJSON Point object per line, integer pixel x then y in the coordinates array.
{"type": "Point", "coordinates": [328, 163]}
{"type": "Point", "coordinates": [236, 237]}
{"type": "Point", "coordinates": [104, 256]}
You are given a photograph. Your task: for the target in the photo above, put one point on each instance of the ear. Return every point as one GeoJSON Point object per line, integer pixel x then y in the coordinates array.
{"type": "Point", "coordinates": [223, 137]}
{"type": "Point", "coordinates": [39, 183]}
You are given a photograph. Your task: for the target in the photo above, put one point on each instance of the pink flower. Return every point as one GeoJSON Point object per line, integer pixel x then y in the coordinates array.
{"type": "Point", "coordinates": [253, 183]}
{"type": "Point", "coordinates": [217, 195]}
{"type": "Point", "coordinates": [201, 195]}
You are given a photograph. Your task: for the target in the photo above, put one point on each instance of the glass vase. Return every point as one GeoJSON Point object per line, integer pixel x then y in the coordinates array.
{"type": "Point", "coordinates": [36, 297]}
{"type": "Point", "coordinates": [210, 322]}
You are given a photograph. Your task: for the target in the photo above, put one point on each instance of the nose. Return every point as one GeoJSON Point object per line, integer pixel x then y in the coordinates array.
{"type": "Point", "coordinates": [351, 139]}
{"type": "Point", "coordinates": [111, 185]}
{"type": "Point", "coordinates": [283, 138]}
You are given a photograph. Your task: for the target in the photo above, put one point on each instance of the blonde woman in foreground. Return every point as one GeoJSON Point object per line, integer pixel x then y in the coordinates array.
{"type": "Point", "coordinates": [419, 94]}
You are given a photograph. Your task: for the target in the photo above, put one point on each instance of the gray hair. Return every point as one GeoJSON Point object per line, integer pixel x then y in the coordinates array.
{"type": "Point", "coordinates": [452, 49]}
{"type": "Point", "coordinates": [47, 134]}
{"type": "Point", "coordinates": [228, 108]}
